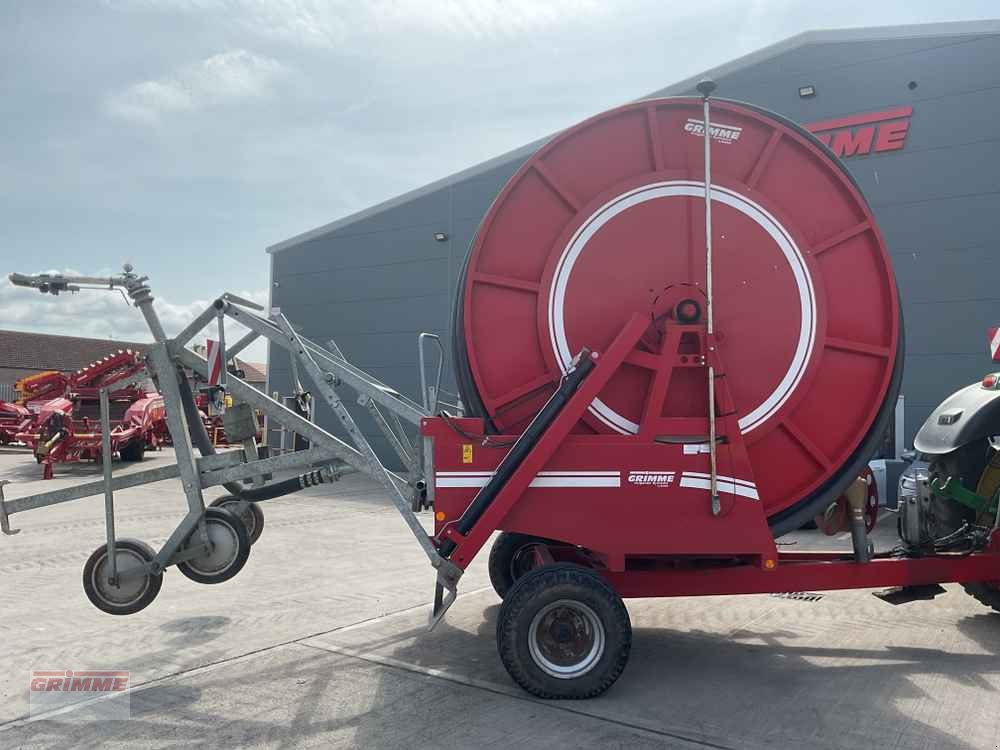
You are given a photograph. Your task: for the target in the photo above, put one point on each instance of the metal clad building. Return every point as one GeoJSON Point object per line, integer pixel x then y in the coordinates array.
{"type": "Point", "coordinates": [913, 111]}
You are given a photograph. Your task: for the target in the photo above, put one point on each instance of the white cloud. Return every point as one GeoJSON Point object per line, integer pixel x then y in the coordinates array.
{"type": "Point", "coordinates": [221, 79]}
{"type": "Point", "coordinates": [105, 314]}
{"type": "Point", "coordinates": [335, 23]}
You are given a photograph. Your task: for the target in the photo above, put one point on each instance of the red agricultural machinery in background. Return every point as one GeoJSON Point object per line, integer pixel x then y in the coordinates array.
{"type": "Point", "coordinates": [13, 418]}
{"type": "Point", "coordinates": [66, 427]}
{"type": "Point", "coordinates": [33, 391]}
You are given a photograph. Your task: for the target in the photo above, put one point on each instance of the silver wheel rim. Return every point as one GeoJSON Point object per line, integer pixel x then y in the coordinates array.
{"type": "Point", "coordinates": [130, 588]}
{"type": "Point", "coordinates": [566, 639]}
{"type": "Point", "coordinates": [224, 548]}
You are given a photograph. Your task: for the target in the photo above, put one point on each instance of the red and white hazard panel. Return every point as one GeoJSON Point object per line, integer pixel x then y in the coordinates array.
{"type": "Point", "coordinates": [995, 344]}
{"type": "Point", "coordinates": [214, 362]}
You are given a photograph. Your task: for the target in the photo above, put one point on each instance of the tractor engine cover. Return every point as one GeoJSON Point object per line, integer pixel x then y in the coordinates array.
{"type": "Point", "coordinates": [608, 220]}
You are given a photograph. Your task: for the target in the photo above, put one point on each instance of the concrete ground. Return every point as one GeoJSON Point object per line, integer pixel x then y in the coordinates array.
{"type": "Point", "coordinates": [321, 642]}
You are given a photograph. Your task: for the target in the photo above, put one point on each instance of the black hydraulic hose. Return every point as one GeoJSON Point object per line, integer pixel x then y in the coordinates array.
{"type": "Point", "coordinates": [521, 448]}
{"type": "Point", "coordinates": [286, 486]}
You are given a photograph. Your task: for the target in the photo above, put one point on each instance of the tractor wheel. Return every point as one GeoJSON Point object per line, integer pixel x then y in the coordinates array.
{"type": "Point", "coordinates": [964, 465]}
{"type": "Point", "coordinates": [975, 466]}
{"type": "Point", "coordinates": [248, 512]}
{"type": "Point", "coordinates": [133, 450]}
{"type": "Point", "coordinates": [510, 558]}
{"type": "Point", "coordinates": [562, 632]}
{"type": "Point", "coordinates": [230, 548]}
{"type": "Point", "coordinates": [132, 591]}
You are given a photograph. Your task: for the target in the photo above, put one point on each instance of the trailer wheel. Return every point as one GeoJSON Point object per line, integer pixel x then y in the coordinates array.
{"type": "Point", "coordinates": [248, 512]}
{"type": "Point", "coordinates": [986, 593]}
{"type": "Point", "coordinates": [510, 558]}
{"type": "Point", "coordinates": [132, 592]}
{"type": "Point", "coordinates": [562, 632]}
{"type": "Point", "coordinates": [133, 450]}
{"type": "Point", "coordinates": [230, 548]}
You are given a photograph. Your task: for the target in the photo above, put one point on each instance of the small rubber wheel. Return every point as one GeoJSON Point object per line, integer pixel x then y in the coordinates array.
{"type": "Point", "coordinates": [563, 632]}
{"type": "Point", "coordinates": [230, 548]}
{"type": "Point", "coordinates": [248, 512]}
{"type": "Point", "coordinates": [133, 451]}
{"type": "Point", "coordinates": [510, 558]}
{"type": "Point", "coordinates": [132, 592]}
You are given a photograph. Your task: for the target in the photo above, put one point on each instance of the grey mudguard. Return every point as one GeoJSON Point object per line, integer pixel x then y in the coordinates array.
{"type": "Point", "coordinates": [969, 414]}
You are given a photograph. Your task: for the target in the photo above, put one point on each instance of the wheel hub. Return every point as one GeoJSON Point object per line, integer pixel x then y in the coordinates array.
{"type": "Point", "coordinates": [222, 549]}
{"type": "Point", "coordinates": [566, 639]}
{"type": "Point", "coordinates": [130, 585]}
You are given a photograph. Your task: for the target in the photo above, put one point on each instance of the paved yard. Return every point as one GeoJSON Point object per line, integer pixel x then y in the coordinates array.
{"type": "Point", "coordinates": [321, 642]}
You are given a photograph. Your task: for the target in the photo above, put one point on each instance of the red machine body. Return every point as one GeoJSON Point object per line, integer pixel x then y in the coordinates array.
{"type": "Point", "coordinates": [35, 390]}
{"type": "Point", "coordinates": [68, 428]}
{"type": "Point", "coordinates": [637, 510]}
{"type": "Point", "coordinates": [598, 243]}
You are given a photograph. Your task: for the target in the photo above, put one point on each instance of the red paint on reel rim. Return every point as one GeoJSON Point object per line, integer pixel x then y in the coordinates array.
{"type": "Point", "coordinates": [607, 220]}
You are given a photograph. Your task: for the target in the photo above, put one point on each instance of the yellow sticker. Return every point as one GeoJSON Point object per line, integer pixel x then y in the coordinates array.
{"type": "Point", "coordinates": [467, 453]}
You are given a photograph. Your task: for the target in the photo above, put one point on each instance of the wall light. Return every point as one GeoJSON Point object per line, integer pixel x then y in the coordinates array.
{"type": "Point", "coordinates": [440, 236]}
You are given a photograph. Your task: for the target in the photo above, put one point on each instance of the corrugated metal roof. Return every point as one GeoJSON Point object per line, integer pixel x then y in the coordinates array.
{"type": "Point", "coordinates": [910, 31]}
{"type": "Point", "coordinates": [23, 350]}
{"type": "Point", "coordinates": [254, 372]}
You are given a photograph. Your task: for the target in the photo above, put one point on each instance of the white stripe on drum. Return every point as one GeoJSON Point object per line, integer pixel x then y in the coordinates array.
{"type": "Point", "coordinates": [723, 486]}
{"type": "Point", "coordinates": [538, 481]}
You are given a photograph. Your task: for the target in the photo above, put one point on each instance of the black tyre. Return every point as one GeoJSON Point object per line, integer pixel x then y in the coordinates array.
{"type": "Point", "coordinates": [510, 558]}
{"type": "Point", "coordinates": [964, 465]}
{"type": "Point", "coordinates": [248, 512]}
{"type": "Point", "coordinates": [133, 450]}
{"type": "Point", "coordinates": [132, 592]}
{"type": "Point", "coordinates": [562, 632]}
{"type": "Point", "coordinates": [230, 548]}
{"type": "Point", "coordinates": [987, 594]}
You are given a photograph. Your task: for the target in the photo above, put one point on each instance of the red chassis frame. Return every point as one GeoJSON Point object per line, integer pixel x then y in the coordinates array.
{"type": "Point", "coordinates": [636, 508]}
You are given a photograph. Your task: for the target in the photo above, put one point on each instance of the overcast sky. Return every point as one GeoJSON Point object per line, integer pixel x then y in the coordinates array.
{"type": "Point", "coordinates": [187, 135]}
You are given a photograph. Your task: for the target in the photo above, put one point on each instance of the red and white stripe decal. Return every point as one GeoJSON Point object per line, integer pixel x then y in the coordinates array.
{"type": "Point", "coordinates": [214, 362]}
{"type": "Point", "coordinates": [729, 485]}
{"type": "Point", "coordinates": [612, 479]}
{"type": "Point", "coordinates": [995, 344]}
{"type": "Point", "coordinates": [542, 479]}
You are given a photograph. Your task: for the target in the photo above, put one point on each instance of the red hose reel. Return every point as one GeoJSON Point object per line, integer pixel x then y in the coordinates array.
{"type": "Point", "coordinates": [607, 221]}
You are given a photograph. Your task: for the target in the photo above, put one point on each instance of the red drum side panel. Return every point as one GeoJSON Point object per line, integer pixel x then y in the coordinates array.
{"type": "Point", "coordinates": [607, 220]}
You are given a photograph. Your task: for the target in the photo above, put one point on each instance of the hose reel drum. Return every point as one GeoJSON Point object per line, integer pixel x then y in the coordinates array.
{"type": "Point", "coordinates": [607, 220]}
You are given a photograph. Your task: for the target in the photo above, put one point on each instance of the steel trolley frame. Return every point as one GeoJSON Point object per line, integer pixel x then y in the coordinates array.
{"type": "Point", "coordinates": [328, 373]}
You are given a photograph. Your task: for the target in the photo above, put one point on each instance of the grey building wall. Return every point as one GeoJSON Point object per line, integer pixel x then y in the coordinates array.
{"type": "Point", "coordinates": [375, 280]}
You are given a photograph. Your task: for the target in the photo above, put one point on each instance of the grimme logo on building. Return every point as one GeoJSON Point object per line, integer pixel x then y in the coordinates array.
{"type": "Point", "coordinates": [871, 133]}
{"type": "Point", "coordinates": [651, 478]}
